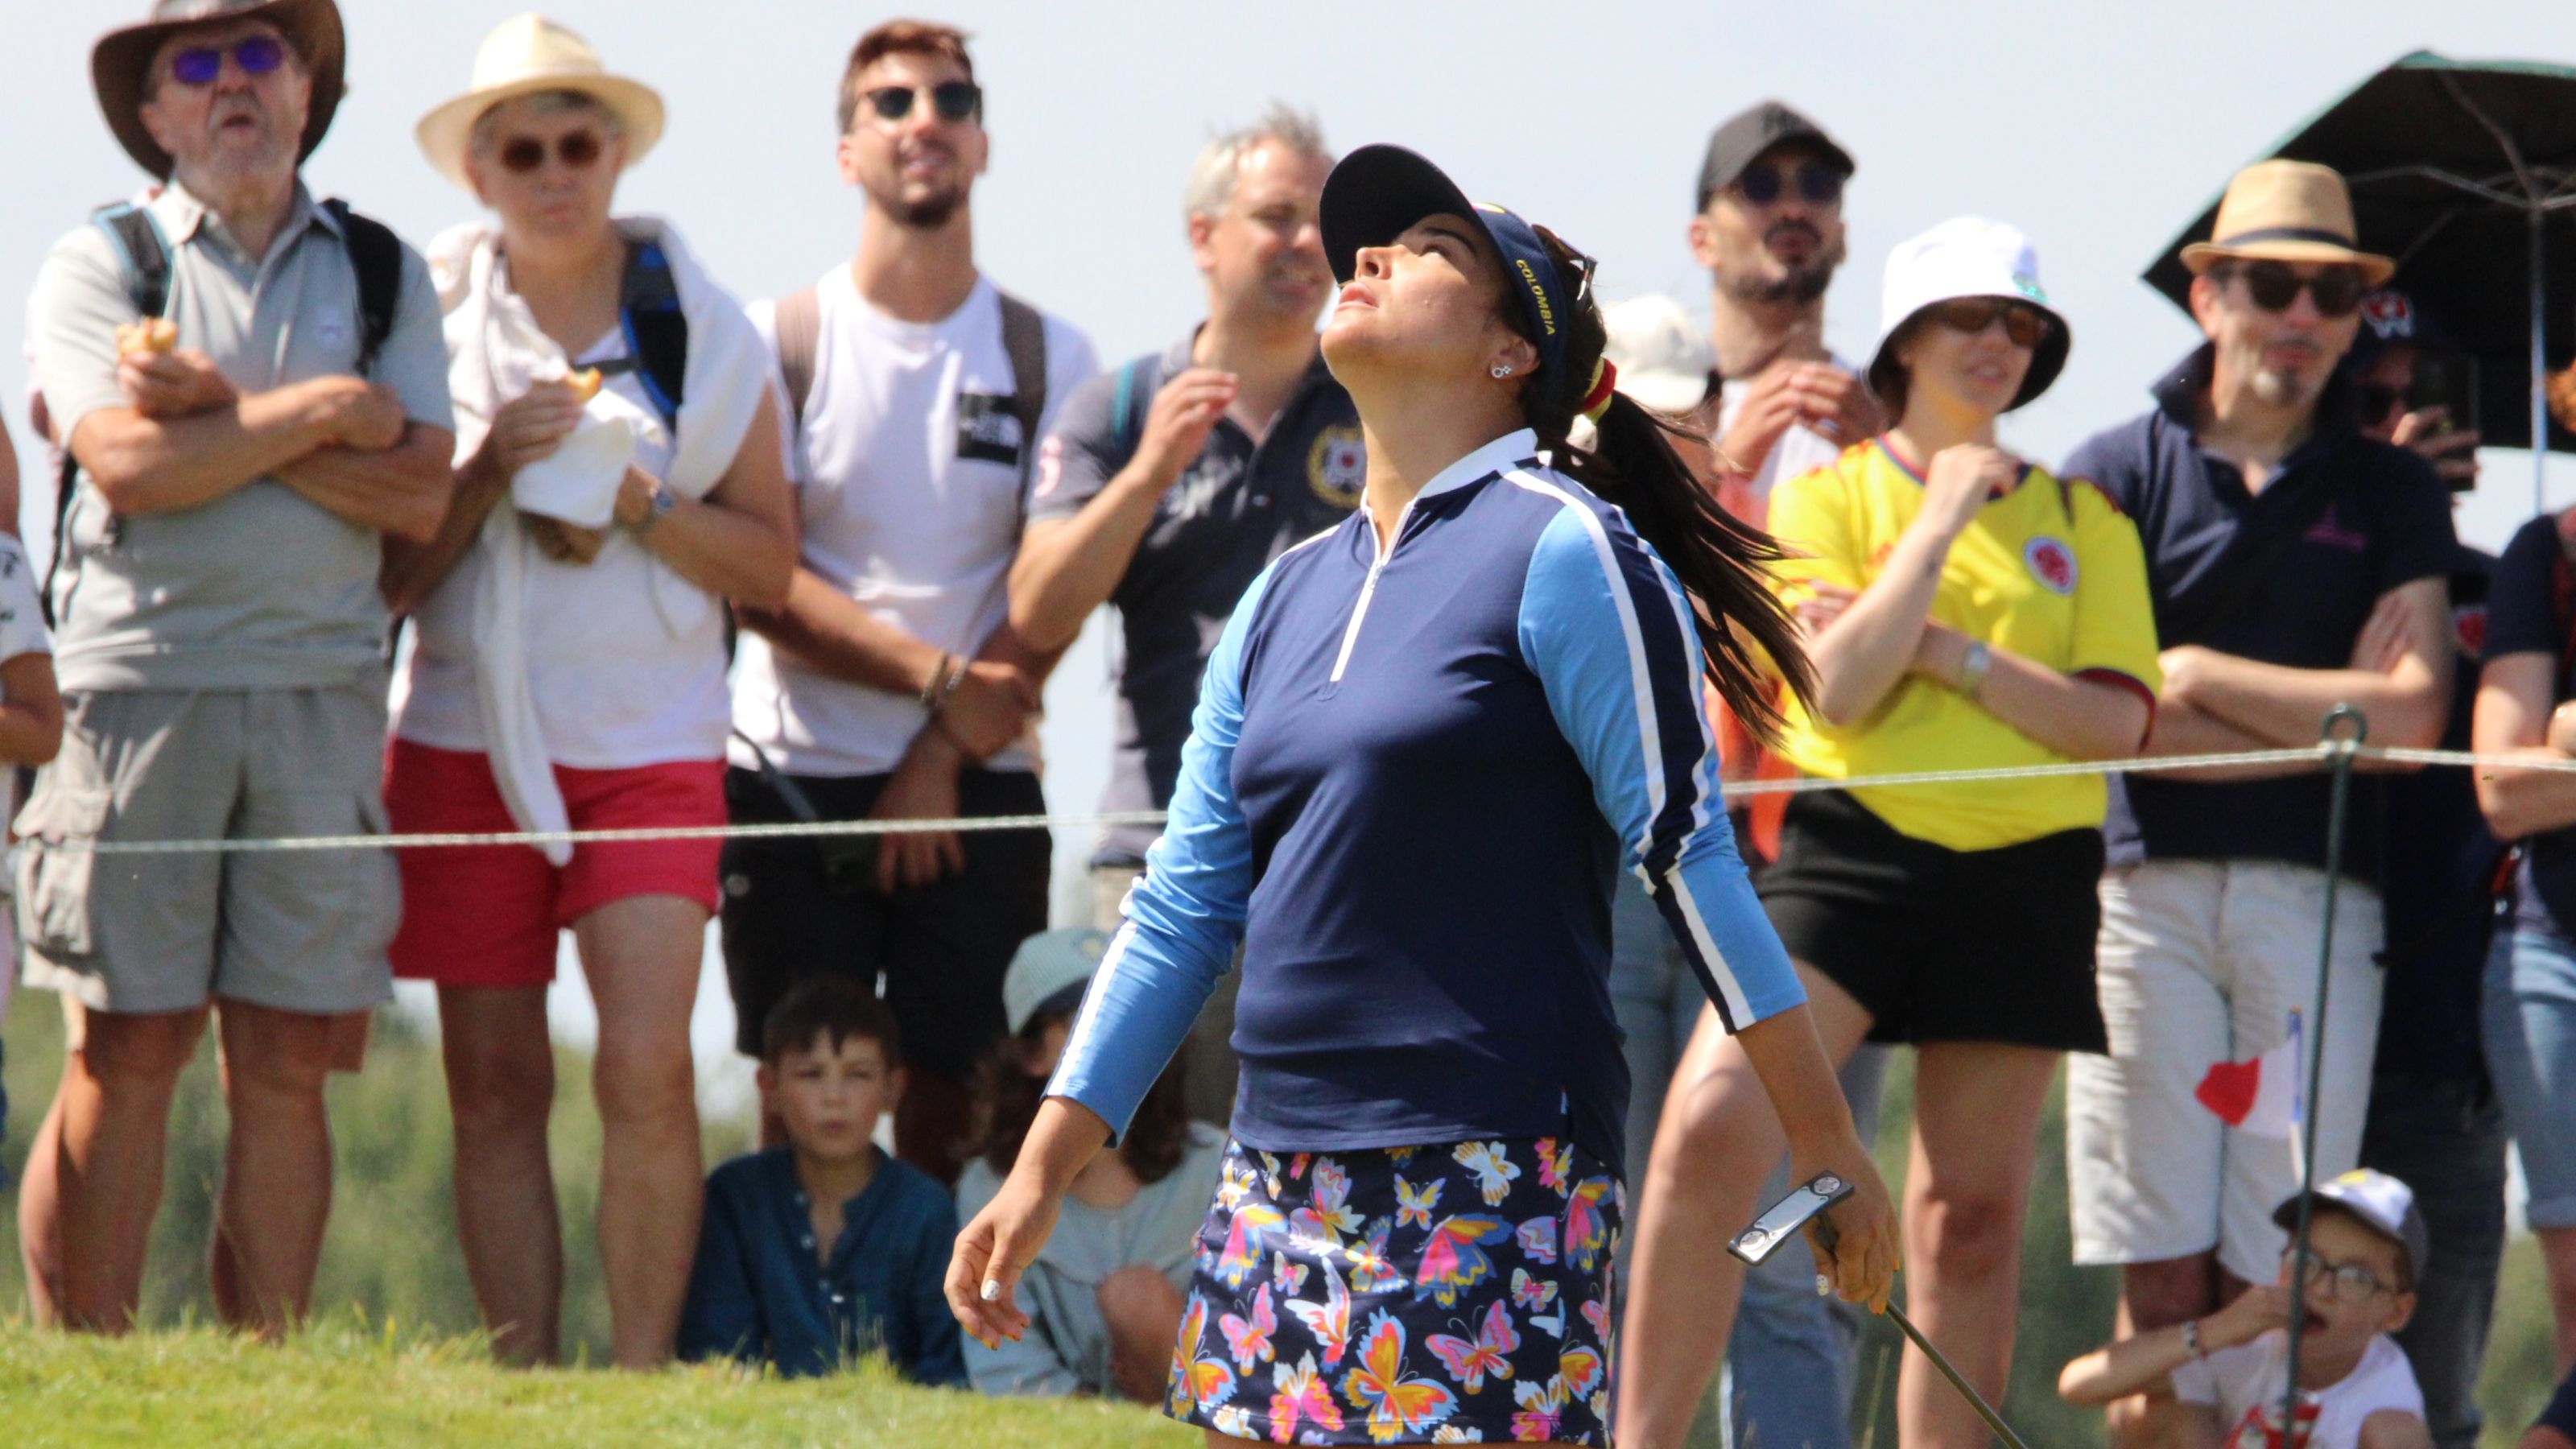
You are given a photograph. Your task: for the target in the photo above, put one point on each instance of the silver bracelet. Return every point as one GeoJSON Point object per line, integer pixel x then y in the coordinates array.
{"type": "Point", "coordinates": [1973, 667]}
{"type": "Point", "coordinates": [934, 689]}
{"type": "Point", "coordinates": [2191, 1339]}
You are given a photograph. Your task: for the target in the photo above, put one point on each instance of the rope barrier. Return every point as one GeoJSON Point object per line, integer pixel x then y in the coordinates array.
{"type": "Point", "coordinates": [2321, 755]}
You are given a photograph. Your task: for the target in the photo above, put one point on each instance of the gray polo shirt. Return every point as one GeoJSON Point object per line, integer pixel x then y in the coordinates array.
{"type": "Point", "coordinates": [1236, 507]}
{"type": "Point", "coordinates": [260, 588]}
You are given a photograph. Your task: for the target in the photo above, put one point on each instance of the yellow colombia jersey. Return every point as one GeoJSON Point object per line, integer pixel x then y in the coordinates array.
{"type": "Point", "coordinates": [2051, 573]}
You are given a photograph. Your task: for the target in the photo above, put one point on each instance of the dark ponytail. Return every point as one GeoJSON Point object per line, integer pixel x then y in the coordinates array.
{"type": "Point", "coordinates": [1721, 561]}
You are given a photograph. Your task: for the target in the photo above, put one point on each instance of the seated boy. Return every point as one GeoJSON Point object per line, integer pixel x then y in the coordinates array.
{"type": "Point", "coordinates": [2217, 1382]}
{"type": "Point", "coordinates": [825, 1249]}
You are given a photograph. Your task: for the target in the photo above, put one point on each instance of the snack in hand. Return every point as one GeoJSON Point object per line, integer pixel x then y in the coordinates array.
{"type": "Point", "coordinates": [584, 384]}
{"type": "Point", "coordinates": [150, 334]}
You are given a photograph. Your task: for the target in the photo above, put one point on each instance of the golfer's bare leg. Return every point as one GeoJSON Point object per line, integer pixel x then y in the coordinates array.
{"type": "Point", "coordinates": [1976, 1125]}
{"type": "Point", "coordinates": [642, 956]}
{"type": "Point", "coordinates": [115, 1111]}
{"type": "Point", "coordinates": [501, 1089]}
{"type": "Point", "coordinates": [1718, 1140]}
{"type": "Point", "coordinates": [276, 1195]}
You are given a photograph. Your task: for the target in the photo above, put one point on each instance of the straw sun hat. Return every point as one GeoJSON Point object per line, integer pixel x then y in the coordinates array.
{"type": "Point", "coordinates": [525, 56]}
{"type": "Point", "coordinates": [2287, 211]}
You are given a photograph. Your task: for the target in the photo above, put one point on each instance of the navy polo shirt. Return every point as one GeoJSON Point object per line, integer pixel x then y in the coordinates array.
{"type": "Point", "coordinates": [1238, 505]}
{"type": "Point", "coordinates": [1411, 778]}
{"type": "Point", "coordinates": [761, 1292]}
{"type": "Point", "coordinates": [2388, 524]}
{"type": "Point", "coordinates": [2441, 871]}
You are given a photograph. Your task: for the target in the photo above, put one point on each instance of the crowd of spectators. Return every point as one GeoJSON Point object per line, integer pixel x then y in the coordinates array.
{"type": "Point", "coordinates": [656, 559]}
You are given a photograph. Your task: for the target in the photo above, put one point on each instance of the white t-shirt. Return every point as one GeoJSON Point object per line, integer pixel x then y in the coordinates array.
{"type": "Point", "coordinates": [892, 516]}
{"type": "Point", "coordinates": [2240, 1382]}
{"type": "Point", "coordinates": [614, 688]}
{"type": "Point", "coordinates": [1800, 450]}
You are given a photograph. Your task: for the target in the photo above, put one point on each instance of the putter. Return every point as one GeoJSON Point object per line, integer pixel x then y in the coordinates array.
{"type": "Point", "coordinates": [1780, 1224]}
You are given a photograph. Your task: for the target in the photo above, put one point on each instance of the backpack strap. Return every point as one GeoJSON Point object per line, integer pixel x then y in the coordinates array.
{"type": "Point", "coordinates": [798, 323]}
{"type": "Point", "coordinates": [142, 255]}
{"type": "Point", "coordinates": [1024, 341]}
{"type": "Point", "coordinates": [1127, 412]}
{"type": "Point", "coordinates": [657, 332]}
{"type": "Point", "coordinates": [376, 254]}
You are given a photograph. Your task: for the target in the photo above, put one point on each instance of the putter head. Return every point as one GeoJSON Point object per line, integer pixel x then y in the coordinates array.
{"type": "Point", "coordinates": [1779, 1224]}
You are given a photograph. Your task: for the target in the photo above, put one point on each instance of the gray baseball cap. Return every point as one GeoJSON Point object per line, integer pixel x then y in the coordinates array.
{"type": "Point", "coordinates": [2381, 1202]}
{"type": "Point", "coordinates": [1743, 137]}
{"type": "Point", "coordinates": [1048, 965]}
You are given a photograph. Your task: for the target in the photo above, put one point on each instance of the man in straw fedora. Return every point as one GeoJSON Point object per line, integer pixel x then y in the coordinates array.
{"type": "Point", "coordinates": [2294, 565]}
{"type": "Point", "coordinates": [220, 641]}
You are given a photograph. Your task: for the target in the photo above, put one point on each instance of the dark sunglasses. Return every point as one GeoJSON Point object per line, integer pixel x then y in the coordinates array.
{"type": "Point", "coordinates": [2024, 325]}
{"type": "Point", "coordinates": [575, 149]}
{"type": "Point", "coordinates": [1818, 184]}
{"type": "Point", "coordinates": [2273, 286]}
{"type": "Point", "coordinates": [955, 100]}
{"type": "Point", "coordinates": [200, 64]}
{"type": "Point", "coordinates": [2378, 400]}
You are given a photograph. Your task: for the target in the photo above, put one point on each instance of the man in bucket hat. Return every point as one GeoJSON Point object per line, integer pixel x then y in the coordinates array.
{"type": "Point", "coordinates": [252, 388]}
{"type": "Point", "coordinates": [2294, 565]}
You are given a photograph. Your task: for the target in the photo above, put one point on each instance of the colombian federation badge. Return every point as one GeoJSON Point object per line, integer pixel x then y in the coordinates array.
{"type": "Point", "coordinates": [2052, 563]}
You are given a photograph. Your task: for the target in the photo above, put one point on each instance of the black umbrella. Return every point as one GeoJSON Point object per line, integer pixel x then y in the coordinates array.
{"type": "Point", "coordinates": [2465, 172]}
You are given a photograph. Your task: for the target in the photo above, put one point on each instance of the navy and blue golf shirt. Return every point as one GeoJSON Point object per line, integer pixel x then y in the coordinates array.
{"type": "Point", "coordinates": [2388, 525]}
{"type": "Point", "coordinates": [1409, 783]}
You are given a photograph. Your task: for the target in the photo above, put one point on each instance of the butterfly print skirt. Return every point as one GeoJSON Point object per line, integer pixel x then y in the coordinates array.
{"type": "Point", "coordinates": [1457, 1294]}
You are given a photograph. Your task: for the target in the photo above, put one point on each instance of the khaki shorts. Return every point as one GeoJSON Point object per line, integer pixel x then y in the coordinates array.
{"type": "Point", "coordinates": [296, 931]}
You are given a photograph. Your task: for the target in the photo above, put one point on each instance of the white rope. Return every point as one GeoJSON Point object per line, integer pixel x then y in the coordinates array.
{"type": "Point", "coordinates": [2316, 755]}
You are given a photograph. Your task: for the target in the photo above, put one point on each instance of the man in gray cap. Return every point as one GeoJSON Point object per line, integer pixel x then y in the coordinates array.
{"type": "Point", "coordinates": [252, 387]}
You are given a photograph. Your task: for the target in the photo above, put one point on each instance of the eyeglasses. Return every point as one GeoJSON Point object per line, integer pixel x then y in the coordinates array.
{"type": "Point", "coordinates": [1817, 183]}
{"type": "Point", "coordinates": [2024, 325]}
{"type": "Point", "coordinates": [200, 64]}
{"type": "Point", "coordinates": [2378, 400]}
{"type": "Point", "coordinates": [955, 100]}
{"type": "Point", "coordinates": [577, 150]}
{"type": "Point", "coordinates": [2347, 1282]}
{"type": "Point", "coordinates": [2273, 286]}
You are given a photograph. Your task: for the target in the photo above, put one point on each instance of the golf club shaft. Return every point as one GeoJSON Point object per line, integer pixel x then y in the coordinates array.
{"type": "Point", "coordinates": [1976, 1400]}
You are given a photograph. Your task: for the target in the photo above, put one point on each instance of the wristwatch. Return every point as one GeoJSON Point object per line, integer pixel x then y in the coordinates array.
{"type": "Point", "coordinates": [658, 506]}
{"type": "Point", "coordinates": [1973, 666]}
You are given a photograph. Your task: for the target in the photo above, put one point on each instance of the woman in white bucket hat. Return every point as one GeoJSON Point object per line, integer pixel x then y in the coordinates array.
{"type": "Point", "coordinates": [618, 480]}
{"type": "Point", "coordinates": [1967, 610]}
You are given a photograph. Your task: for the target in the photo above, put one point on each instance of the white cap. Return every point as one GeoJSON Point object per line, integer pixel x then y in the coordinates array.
{"type": "Point", "coordinates": [1046, 964]}
{"type": "Point", "coordinates": [2378, 1200]}
{"type": "Point", "coordinates": [1664, 362]}
{"type": "Point", "coordinates": [1968, 257]}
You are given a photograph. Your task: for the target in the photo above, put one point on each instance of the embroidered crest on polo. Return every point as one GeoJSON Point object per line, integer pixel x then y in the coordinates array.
{"type": "Point", "coordinates": [1337, 466]}
{"type": "Point", "coordinates": [2052, 563]}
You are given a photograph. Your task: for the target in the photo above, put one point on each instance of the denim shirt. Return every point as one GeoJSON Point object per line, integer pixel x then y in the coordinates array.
{"type": "Point", "coordinates": [759, 1292]}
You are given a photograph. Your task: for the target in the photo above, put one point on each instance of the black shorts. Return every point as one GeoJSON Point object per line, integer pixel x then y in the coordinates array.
{"type": "Point", "coordinates": [940, 950]}
{"type": "Point", "coordinates": [1939, 944]}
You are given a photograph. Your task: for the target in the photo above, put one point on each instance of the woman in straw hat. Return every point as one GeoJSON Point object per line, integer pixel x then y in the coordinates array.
{"type": "Point", "coordinates": [1968, 611]}
{"type": "Point", "coordinates": [1428, 741]}
{"type": "Point", "coordinates": [614, 489]}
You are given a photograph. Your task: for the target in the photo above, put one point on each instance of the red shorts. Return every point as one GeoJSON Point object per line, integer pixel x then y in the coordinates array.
{"type": "Point", "coordinates": [486, 915]}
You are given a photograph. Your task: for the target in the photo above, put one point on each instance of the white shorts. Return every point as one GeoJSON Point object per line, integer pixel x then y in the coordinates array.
{"type": "Point", "coordinates": [2200, 963]}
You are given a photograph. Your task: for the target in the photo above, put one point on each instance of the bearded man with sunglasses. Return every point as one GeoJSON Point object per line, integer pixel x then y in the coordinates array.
{"type": "Point", "coordinates": [220, 642]}
{"type": "Point", "coordinates": [890, 684]}
{"type": "Point", "coordinates": [2295, 564]}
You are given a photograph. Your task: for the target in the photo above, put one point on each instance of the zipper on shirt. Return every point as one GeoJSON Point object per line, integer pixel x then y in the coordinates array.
{"type": "Point", "coordinates": [1368, 588]}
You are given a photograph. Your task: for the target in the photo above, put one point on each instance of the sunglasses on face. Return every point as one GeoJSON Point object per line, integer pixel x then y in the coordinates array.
{"type": "Point", "coordinates": [955, 100]}
{"type": "Point", "coordinates": [2274, 287]}
{"type": "Point", "coordinates": [2345, 1282]}
{"type": "Point", "coordinates": [1817, 184]}
{"type": "Point", "coordinates": [199, 65]}
{"type": "Point", "coordinates": [2024, 326]}
{"type": "Point", "coordinates": [577, 150]}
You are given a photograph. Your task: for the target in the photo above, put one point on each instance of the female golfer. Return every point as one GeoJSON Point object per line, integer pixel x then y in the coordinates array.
{"type": "Point", "coordinates": [1427, 740]}
{"type": "Point", "coordinates": [569, 670]}
{"type": "Point", "coordinates": [1980, 613]}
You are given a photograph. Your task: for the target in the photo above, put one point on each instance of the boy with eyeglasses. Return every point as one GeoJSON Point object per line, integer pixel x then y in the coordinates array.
{"type": "Point", "coordinates": [2220, 1380]}
{"type": "Point", "coordinates": [2294, 564]}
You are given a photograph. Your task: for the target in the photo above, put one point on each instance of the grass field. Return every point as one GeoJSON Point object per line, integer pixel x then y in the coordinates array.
{"type": "Point", "coordinates": [394, 1359]}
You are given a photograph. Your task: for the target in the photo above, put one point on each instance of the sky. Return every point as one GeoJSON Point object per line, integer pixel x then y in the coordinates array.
{"type": "Point", "coordinates": [2097, 129]}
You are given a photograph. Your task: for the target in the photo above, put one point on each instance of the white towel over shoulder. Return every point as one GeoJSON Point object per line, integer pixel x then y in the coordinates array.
{"type": "Point", "coordinates": [496, 352]}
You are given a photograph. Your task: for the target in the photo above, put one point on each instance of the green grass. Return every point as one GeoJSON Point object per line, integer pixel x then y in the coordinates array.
{"type": "Point", "coordinates": [345, 1384]}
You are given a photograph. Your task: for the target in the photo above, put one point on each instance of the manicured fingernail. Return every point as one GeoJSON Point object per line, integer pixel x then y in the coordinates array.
{"type": "Point", "coordinates": [992, 1291]}
{"type": "Point", "coordinates": [1824, 1286]}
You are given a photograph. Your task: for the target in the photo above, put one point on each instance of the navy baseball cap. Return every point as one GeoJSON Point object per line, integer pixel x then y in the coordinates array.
{"type": "Point", "coordinates": [1378, 191]}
